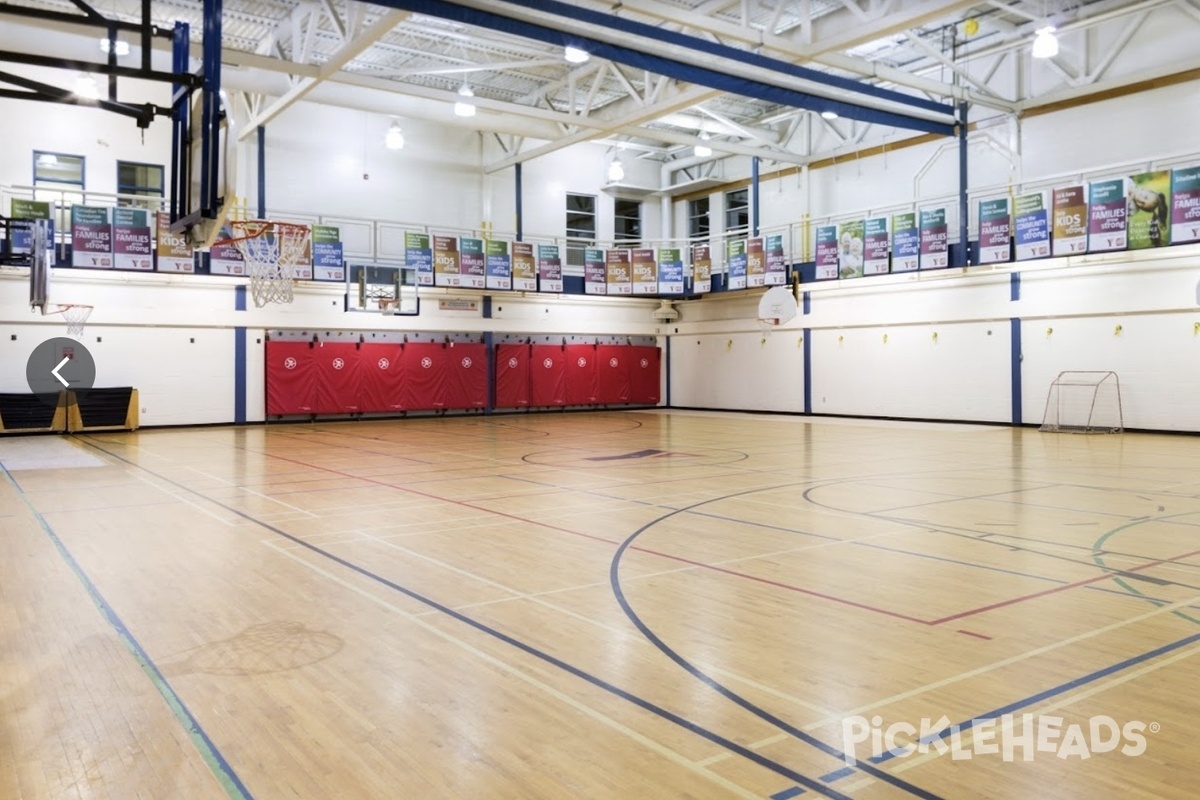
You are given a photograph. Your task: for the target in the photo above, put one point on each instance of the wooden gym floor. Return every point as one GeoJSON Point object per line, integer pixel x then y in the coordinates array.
{"type": "Point", "coordinates": [597, 605]}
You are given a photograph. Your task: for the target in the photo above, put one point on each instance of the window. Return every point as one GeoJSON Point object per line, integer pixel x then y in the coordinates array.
{"type": "Point", "coordinates": [57, 168]}
{"type": "Point", "coordinates": [627, 220]}
{"type": "Point", "coordinates": [737, 209]}
{"type": "Point", "coordinates": [698, 218]}
{"type": "Point", "coordinates": [58, 179]}
{"type": "Point", "coordinates": [581, 226]}
{"type": "Point", "coordinates": [141, 180]}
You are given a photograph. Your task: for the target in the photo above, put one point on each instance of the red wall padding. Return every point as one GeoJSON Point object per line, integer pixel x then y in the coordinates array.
{"type": "Point", "coordinates": [582, 383]}
{"type": "Point", "coordinates": [548, 375]}
{"type": "Point", "coordinates": [374, 377]}
{"type": "Point", "coordinates": [512, 375]}
{"type": "Point", "coordinates": [644, 375]}
{"type": "Point", "coordinates": [612, 368]}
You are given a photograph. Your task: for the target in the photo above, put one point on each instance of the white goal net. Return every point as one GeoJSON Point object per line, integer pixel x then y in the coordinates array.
{"type": "Point", "coordinates": [1084, 402]}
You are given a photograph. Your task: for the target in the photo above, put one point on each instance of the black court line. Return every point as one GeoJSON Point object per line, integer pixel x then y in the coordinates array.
{"type": "Point", "coordinates": [600, 683]}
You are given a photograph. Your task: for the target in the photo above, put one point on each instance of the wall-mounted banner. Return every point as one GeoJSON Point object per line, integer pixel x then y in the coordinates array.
{"type": "Point", "coordinates": [1106, 216]}
{"type": "Point", "coordinates": [875, 246]}
{"type": "Point", "coordinates": [418, 255]}
{"type": "Point", "coordinates": [756, 263]}
{"type": "Point", "coordinates": [30, 209]}
{"type": "Point", "coordinates": [131, 239]}
{"type": "Point", "coordinates": [550, 271]}
{"type": "Point", "coordinates": [1070, 221]}
{"type": "Point", "coordinates": [91, 238]}
{"type": "Point", "coordinates": [851, 248]}
{"type": "Point", "coordinates": [174, 249]}
{"type": "Point", "coordinates": [1031, 221]}
{"type": "Point", "coordinates": [446, 263]}
{"type": "Point", "coordinates": [595, 273]}
{"type": "Point", "coordinates": [620, 276]}
{"type": "Point", "coordinates": [329, 262]}
{"type": "Point", "coordinates": [934, 239]}
{"type": "Point", "coordinates": [906, 242]}
{"type": "Point", "coordinates": [1185, 205]}
{"type": "Point", "coordinates": [645, 271]}
{"type": "Point", "coordinates": [735, 254]}
{"type": "Point", "coordinates": [995, 231]}
{"type": "Point", "coordinates": [776, 261]}
{"type": "Point", "coordinates": [499, 265]}
{"type": "Point", "coordinates": [701, 268]}
{"type": "Point", "coordinates": [827, 252]}
{"type": "Point", "coordinates": [472, 265]}
{"type": "Point", "coordinates": [226, 259]}
{"type": "Point", "coordinates": [524, 267]}
{"type": "Point", "coordinates": [670, 271]}
{"type": "Point", "coordinates": [1150, 210]}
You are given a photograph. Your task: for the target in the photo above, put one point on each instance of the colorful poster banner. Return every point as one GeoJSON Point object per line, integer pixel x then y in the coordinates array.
{"type": "Point", "coordinates": [1070, 221]}
{"type": "Point", "coordinates": [1149, 223]}
{"type": "Point", "coordinates": [906, 242]}
{"type": "Point", "coordinates": [827, 252]}
{"type": "Point", "coordinates": [756, 263]}
{"type": "Point", "coordinates": [499, 265]}
{"type": "Point", "coordinates": [225, 259]}
{"type": "Point", "coordinates": [645, 271]}
{"type": "Point", "coordinates": [875, 246]}
{"type": "Point", "coordinates": [418, 255]}
{"type": "Point", "coordinates": [1031, 222]}
{"type": "Point", "coordinates": [735, 251]}
{"type": "Point", "coordinates": [472, 265]}
{"type": "Point", "coordinates": [91, 238]}
{"type": "Point", "coordinates": [701, 268]}
{"type": "Point", "coordinates": [550, 272]}
{"type": "Point", "coordinates": [620, 276]}
{"type": "Point", "coordinates": [1106, 216]}
{"type": "Point", "coordinates": [446, 264]}
{"type": "Point", "coordinates": [776, 261]}
{"type": "Point", "coordinates": [174, 249]}
{"type": "Point", "coordinates": [30, 209]}
{"type": "Point", "coordinates": [595, 275]}
{"type": "Point", "coordinates": [670, 271]}
{"type": "Point", "coordinates": [328, 256]}
{"type": "Point", "coordinates": [850, 249]}
{"type": "Point", "coordinates": [1185, 205]}
{"type": "Point", "coordinates": [132, 248]}
{"type": "Point", "coordinates": [524, 267]}
{"type": "Point", "coordinates": [935, 252]}
{"type": "Point", "coordinates": [995, 231]}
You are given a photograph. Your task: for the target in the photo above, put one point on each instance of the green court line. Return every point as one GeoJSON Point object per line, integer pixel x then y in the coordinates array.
{"type": "Point", "coordinates": [1098, 558]}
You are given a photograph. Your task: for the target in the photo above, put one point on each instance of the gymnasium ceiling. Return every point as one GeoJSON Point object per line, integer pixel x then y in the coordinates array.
{"type": "Point", "coordinates": [531, 101]}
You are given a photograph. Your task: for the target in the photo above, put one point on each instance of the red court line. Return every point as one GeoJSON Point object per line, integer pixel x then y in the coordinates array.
{"type": "Point", "coordinates": [976, 635]}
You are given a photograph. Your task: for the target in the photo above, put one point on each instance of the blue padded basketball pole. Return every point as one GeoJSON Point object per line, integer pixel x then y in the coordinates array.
{"type": "Point", "coordinates": [689, 71]}
{"type": "Point", "coordinates": [210, 109]}
{"type": "Point", "coordinates": [520, 211]}
{"type": "Point", "coordinates": [964, 243]}
{"type": "Point", "coordinates": [262, 171]}
{"type": "Point", "coordinates": [180, 111]}
{"type": "Point", "coordinates": [754, 196]}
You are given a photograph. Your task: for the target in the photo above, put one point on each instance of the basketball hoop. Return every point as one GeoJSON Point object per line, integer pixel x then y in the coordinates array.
{"type": "Point", "coordinates": [272, 251]}
{"type": "Point", "coordinates": [388, 305]}
{"type": "Point", "coordinates": [76, 316]}
{"type": "Point", "coordinates": [766, 325]}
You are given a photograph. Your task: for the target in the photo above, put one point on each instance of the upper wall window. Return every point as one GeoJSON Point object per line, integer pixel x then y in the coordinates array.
{"type": "Point", "coordinates": [737, 209]}
{"type": "Point", "coordinates": [58, 168]}
{"type": "Point", "coordinates": [140, 180]}
{"type": "Point", "coordinates": [581, 226]}
{"type": "Point", "coordinates": [627, 220]}
{"type": "Point", "coordinates": [698, 225]}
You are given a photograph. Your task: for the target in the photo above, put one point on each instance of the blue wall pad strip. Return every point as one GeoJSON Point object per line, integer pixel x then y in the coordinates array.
{"type": "Point", "coordinates": [1014, 287]}
{"type": "Point", "coordinates": [1015, 335]}
{"type": "Point", "coordinates": [807, 370]}
{"type": "Point", "coordinates": [239, 375]}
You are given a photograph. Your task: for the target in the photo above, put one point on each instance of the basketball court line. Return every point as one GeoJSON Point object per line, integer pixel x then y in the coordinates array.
{"type": "Point", "coordinates": [577, 672]}
{"type": "Point", "coordinates": [222, 771]}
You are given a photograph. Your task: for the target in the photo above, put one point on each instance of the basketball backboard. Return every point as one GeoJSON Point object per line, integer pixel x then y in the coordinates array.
{"type": "Point", "coordinates": [382, 289]}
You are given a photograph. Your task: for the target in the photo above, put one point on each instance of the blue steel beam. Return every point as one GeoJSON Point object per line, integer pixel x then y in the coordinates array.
{"type": "Point", "coordinates": [692, 73]}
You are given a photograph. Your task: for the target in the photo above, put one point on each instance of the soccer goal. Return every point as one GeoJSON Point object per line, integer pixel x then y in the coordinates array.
{"type": "Point", "coordinates": [1084, 402]}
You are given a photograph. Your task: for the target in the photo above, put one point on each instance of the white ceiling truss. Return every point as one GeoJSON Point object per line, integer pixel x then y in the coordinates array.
{"type": "Point", "coordinates": [531, 101]}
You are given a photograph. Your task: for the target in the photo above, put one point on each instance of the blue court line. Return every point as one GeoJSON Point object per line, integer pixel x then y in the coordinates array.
{"type": "Point", "coordinates": [838, 774]}
{"type": "Point", "coordinates": [221, 768]}
{"type": "Point", "coordinates": [788, 794]}
{"type": "Point", "coordinates": [600, 683]}
{"type": "Point", "coordinates": [614, 580]}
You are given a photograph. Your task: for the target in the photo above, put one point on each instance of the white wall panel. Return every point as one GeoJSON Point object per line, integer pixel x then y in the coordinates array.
{"type": "Point", "coordinates": [742, 370]}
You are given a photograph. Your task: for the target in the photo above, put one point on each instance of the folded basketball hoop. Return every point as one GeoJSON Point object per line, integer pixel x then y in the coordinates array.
{"type": "Point", "coordinates": [272, 251]}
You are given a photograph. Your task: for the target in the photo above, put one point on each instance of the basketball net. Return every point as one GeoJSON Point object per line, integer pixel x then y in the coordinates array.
{"type": "Point", "coordinates": [75, 315]}
{"type": "Point", "coordinates": [766, 325]}
{"type": "Point", "coordinates": [272, 251]}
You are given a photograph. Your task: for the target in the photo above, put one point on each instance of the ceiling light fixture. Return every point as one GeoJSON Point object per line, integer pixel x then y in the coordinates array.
{"type": "Point", "coordinates": [702, 150]}
{"type": "Point", "coordinates": [1045, 43]}
{"type": "Point", "coordinates": [616, 170]}
{"type": "Point", "coordinates": [829, 115]}
{"type": "Point", "coordinates": [86, 87]}
{"type": "Point", "coordinates": [395, 137]}
{"type": "Point", "coordinates": [122, 46]}
{"type": "Point", "coordinates": [464, 108]}
{"type": "Point", "coordinates": [575, 55]}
